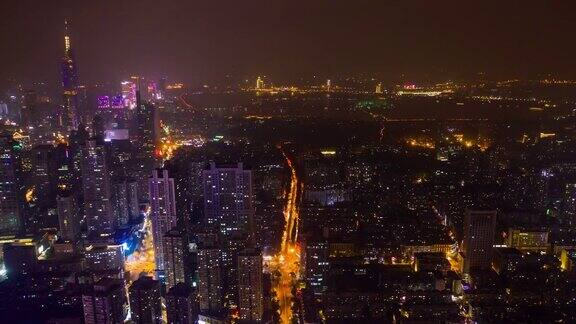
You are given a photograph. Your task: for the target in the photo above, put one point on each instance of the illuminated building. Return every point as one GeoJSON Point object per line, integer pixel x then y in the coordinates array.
{"type": "Point", "coordinates": [104, 257]}
{"type": "Point", "coordinates": [259, 83]}
{"type": "Point", "coordinates": [104, 102]}
{"type": "Point", "coordinates": [209, 279]}
{"type": "Point", "coordinates": [9, 185]}
{"type": "Point", "coordinates": [378, 89]}
{"type": "Point", "coordinates": [174, 258]}
{"type": "Point", "coordinates": [181, 305]}
{"type": "Point", "coordinates": [43, 187]}
{"type": "Point", "coordinates": [317, 265]}
{"type": "Point", "coordinates": [96, 185]}
{"type": "Point", "coordinates": [479, 230]}
{"type": "Point", "coordinates": [121, 134]}
{"type": "Point", "coordinates": [29, 112]}
{"type": "Point", "coordinates": [129, 89]}
{"type": "Point", "coordinates": [569, 203]}
{"type": "Point", "coordinates": [228, 205]}
{"type": "Point", "coordinates": [163, 211]}
{"type": "Point", "coordinates": [231, 247]}
{"type": "Point", "coordinates": [125, 201]}
{"type": "Point", "coordinates": [68, 217]}
{"type": "Point", "coordinates": [147, 133]}
{"type": "Point", "coordinates": [154, 91]}
{"type": "Point", "coordinates": [162, 88]}
{"type": "Point", "coordinates": [145, 305]}
{"type": "Point", "coordinates": [228, 201]}
{"type": "Point", "coordinates": [105, 302]}
{"type": "Point", "coordinates": [527, 240]}
{"type": "Point", "coordinates": [117, 102]}
{"type": "Point", "coordinates": [70, 84]}
{"type": "Point", "coordinates": [250, 299]}
{"type": "Point", "coordinates": [568, 259]}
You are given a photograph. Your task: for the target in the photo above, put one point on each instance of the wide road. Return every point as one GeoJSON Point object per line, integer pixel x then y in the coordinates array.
{"type": "Point", "coordinates": [288, 259]}
{"type": "Point", "coordinates": [142, 260]}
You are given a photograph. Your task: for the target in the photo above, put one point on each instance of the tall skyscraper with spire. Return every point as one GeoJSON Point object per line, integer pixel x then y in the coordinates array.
{"type": "Point", "coordinates": [70, 115]}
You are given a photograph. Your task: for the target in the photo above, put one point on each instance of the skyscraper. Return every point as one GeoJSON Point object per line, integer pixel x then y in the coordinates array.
{"type": "Point", "coordinates": [44, 166]}
{"type": "Point", "coordinates": [145, 305]}
{"type": "Point", "coordinates": [146, 139]}
{"type": "Point", "coordinates": [228, 201]}
{"type": "Point", "coordinates": [479, 230]}
{"type": "Point", "coordinates": [69, 70]}
{"type": "Point", "coordinates": [317, 264]}
{"type": "Point", "coordinates": [147, 127]}
{"type": "Point", "coordinates": [125, 201]}
{"type": "Point", "coordinates": [250, 299]}
{"type": "Point", "coordinates": [96, 185]}
{"type": "Point", "coordinates": [105, 302]}
{"type": "Point", "coordinates": [181, 305]}
{"type": "Point", "coordinates": [174, 257]}
{"type": "Point", "coordinates": [9, 185]}
{"type": "Point", "coordinates": [163, 211]}
{"type": "Point", "coordinates": [129, 94]}
{"type": "Point", "coordinates": [209, 279]}
{"type": "Point", "coordinates": [68, 217]}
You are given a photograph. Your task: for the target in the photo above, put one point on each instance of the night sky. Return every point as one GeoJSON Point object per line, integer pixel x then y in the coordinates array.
{"type": "Point", "coordinates": [197, 41]}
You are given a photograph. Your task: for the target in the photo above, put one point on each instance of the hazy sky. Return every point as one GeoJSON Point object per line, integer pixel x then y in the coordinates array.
{"type": "Point", "coordinates": [204, 40]}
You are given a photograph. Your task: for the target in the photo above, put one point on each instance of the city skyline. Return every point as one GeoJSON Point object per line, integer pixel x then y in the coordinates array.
{"type": "Point", "coordinates": [287, 162]}
{"type": "Point", "coordinates": [390, 41]}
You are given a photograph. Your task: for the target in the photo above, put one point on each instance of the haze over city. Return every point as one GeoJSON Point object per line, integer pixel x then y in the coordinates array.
{"type": "Point", "coordinates": [205, 41]}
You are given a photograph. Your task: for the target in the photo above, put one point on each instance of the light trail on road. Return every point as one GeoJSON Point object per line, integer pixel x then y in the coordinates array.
{"type": "Point", "coordinates": [287, 261]}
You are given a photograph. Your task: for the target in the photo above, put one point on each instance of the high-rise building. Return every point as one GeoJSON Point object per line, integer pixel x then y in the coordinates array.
{"type": "Point", "coordinates": [161, 88]}
{"type": "Point", "coordinates": [104, 257]}
{"type": "Point", "coordinates": [163, 211]}
{"type": "Point", "coordinates": [96, 185]}
{"type": "Point", "coordinates": [9, 185]}
{"type": "Point", "coordinates": [378, 89]}
{"type": "Point", "coordinates": [146, 140]}
{"type": "Point", "coordinates": [105, 302]}
{"type": "Point", "coordinates": [231, 247]}
{"type": "Point", "coordinates": [181, 305]}
{"type": "Point", "coordinates": [145, 304]}
{"type": "Point", "coordinates": [174, 258]}
{"type": "Point", "coordinates": [250, 294]}
{"type": "Point", "coordinates": [317, 265]}
{"type": "Point", "coordinates": [129, 94]}
{"type": "Point", "coordinates": [479, 231]}
{"type": "Point", "coordinates": [68, 217]}
{"type": "Point", "coordinates": [228, 201]}
{"type": "Point", "coordinates": [43, 171]}
{"type": "Point", "coordinates": [209, 279]}
{"type": "Point", "coordinates": [29, 111]}
{"type": "Point", "coordinates": [147, 127]}
{"type": "Point", "coordinates": [125, 201]}
{"type": "Point", "coordinates": [70, 83]}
